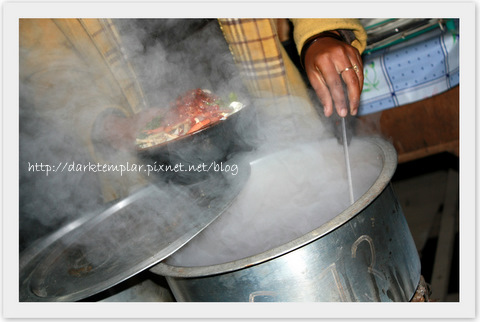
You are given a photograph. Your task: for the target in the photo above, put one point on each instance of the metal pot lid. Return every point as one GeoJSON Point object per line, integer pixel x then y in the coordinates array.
{"type": "Point", "coordinates": [102, 249]}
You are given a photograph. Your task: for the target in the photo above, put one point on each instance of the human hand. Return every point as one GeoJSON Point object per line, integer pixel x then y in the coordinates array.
{"type": "Point", "coordinates": [333, 66]}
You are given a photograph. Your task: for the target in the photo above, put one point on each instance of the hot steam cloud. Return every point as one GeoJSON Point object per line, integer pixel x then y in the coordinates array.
{"type": "Point", "coordinates": [169, 56]}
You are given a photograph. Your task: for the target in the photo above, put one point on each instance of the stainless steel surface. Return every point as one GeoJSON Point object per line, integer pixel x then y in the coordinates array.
{"type": "Point", "coordinates": [102, 249]}
{"type": "Point", "coordinates": [366, 253]}
{"type": "Point", "coordinates": [145, 291]}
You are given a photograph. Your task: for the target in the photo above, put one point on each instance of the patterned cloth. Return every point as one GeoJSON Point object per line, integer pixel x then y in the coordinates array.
{"type": "Point", "coordinates": [260, 57]}
{"type": "Point", "coordinates": [106, 43]}
{"type": "Point", "coordinates": [411, 71]}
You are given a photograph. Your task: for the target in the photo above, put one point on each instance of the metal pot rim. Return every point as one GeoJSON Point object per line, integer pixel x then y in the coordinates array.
{"type": "Point", "coordinates": [389, 156]}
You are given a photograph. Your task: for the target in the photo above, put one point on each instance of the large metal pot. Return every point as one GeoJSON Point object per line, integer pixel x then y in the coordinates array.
{"type": "Point", "coordinates": [365, 253]}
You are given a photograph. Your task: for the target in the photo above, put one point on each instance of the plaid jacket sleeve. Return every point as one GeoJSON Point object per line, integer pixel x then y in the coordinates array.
{"type": "Point", "coordinates": [258, 53]}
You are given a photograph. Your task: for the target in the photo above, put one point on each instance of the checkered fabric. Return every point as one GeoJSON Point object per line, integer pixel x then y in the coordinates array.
{"type": "Point", "coordinates": [107, 42]}
{"type": "Point", "coordinates": [258, 53]}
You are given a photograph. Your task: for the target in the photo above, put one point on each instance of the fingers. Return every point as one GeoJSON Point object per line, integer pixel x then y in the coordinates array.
{"type": "Point", "coordinates": [344, 84]}
{"type": "Point", "coordinates": [352, 88]}
{"type": "Point", "coordinates": [335, 71]}
{"type": "Point", "coordinates": [321, 89]}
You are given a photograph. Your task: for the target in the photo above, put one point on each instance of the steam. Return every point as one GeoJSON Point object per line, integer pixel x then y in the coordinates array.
{"type": "Point", "coordinates": [290, 192]}
{"type": "Point", "coordinates": [62, 96]}
{"type": "Point", "coordinates": [297, 180]}
{"type": "Point", "coordinates": [172, 56]}
{"type": "Point", "coordinates": [47, 202]}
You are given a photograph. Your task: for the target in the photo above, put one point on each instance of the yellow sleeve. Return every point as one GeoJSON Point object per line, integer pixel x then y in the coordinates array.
{"type": "Point", "coordinates": [306, 28]}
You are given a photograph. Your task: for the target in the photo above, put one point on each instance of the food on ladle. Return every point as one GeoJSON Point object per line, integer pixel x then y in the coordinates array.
{"type": "Point", "coordinates": [189, 113]}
